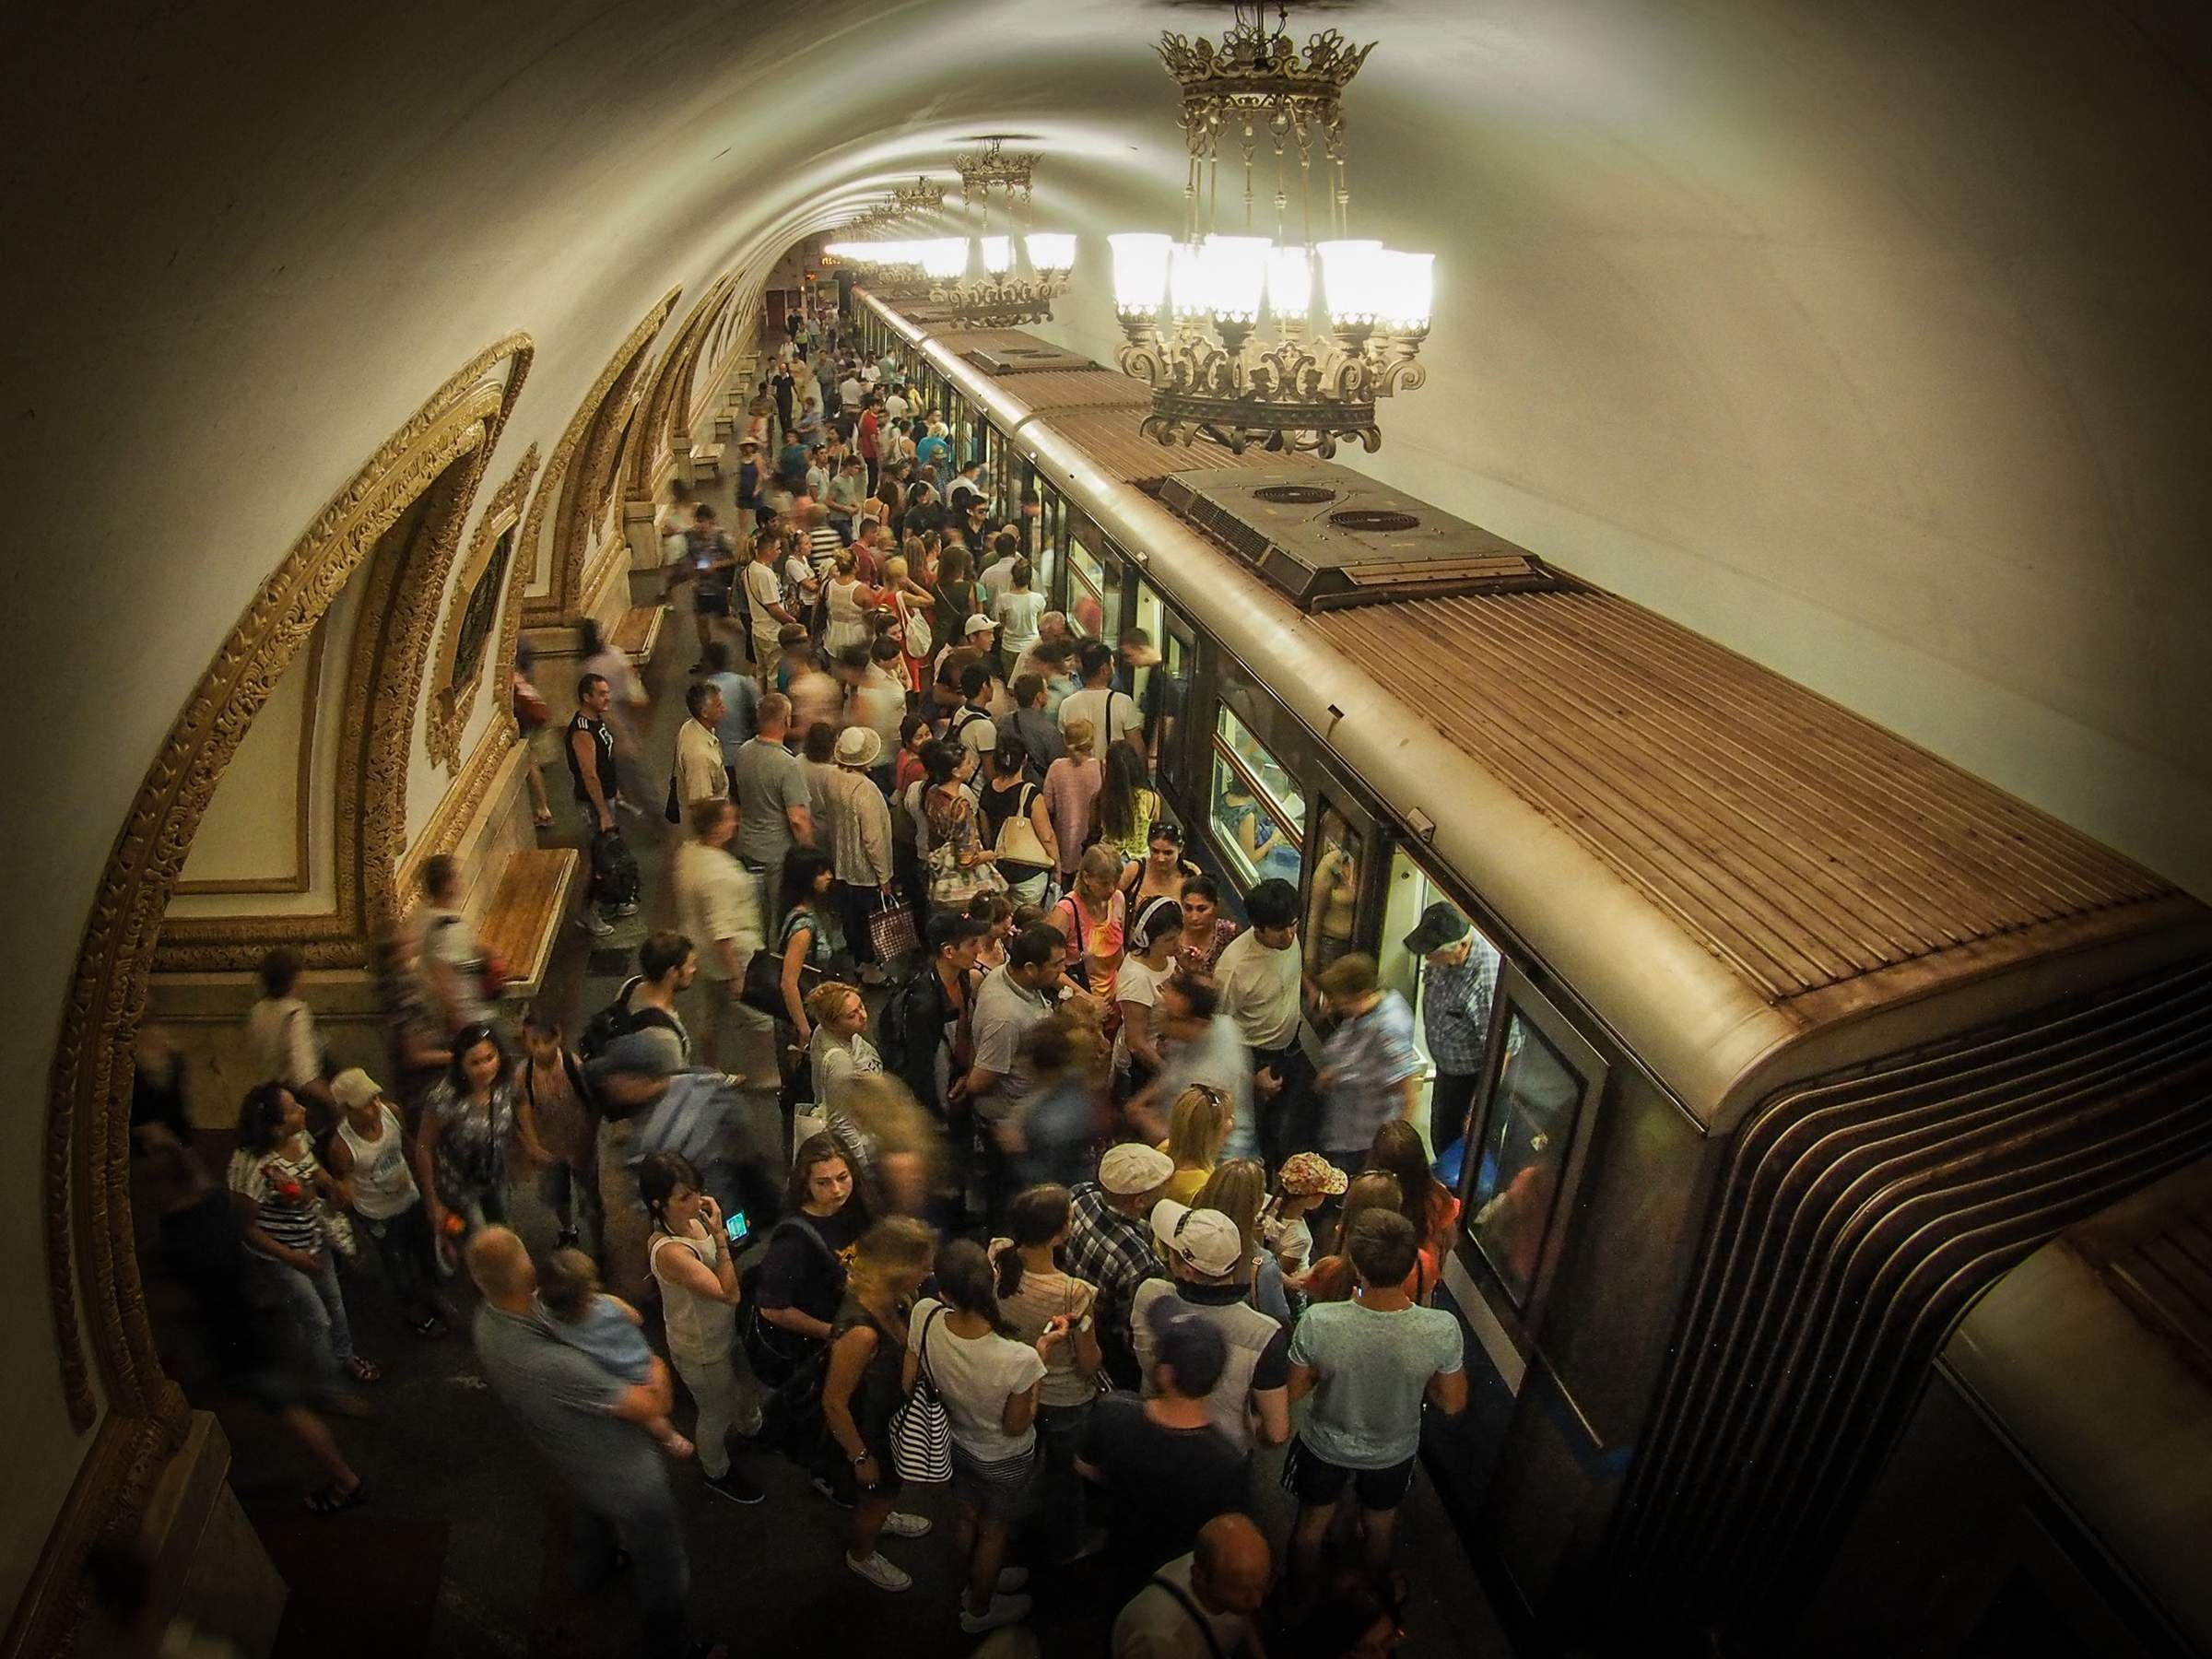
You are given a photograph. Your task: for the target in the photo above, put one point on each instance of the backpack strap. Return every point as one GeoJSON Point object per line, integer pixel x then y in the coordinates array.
{"type": "Point", "coordinates": [1206, 1629]}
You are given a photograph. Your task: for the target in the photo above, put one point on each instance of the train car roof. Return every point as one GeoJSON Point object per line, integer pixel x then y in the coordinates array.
{"type": "Point", "coordinates": [1750, 861]}
{"type": "Point", "coordinates": [2095, 1356]}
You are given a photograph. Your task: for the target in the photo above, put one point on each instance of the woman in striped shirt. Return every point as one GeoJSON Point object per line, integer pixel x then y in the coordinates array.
{"type": "Point", "coordinates": [276, 1167]}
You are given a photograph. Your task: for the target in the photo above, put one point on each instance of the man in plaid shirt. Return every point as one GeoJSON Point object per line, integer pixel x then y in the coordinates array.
{"type": "Point", "coordinates": [1110, 1244]}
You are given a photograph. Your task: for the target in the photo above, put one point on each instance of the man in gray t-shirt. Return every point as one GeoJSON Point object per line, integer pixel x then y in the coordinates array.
{"type": "Point", "coordinates": [1007, 1003]}
{"type": "Point", "coordinates": [588, 1423]}
{"type": "Point", "coordinates": [773, 814]}
{"type": "Point", "coordinates": [1368, 1363]}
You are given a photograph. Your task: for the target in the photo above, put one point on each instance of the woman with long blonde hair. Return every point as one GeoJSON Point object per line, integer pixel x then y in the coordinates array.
{"type": "Point", "coordinates": [862, 1387]}
{"type": "Point", "coordinates": [1238, 1188]}
{"type": "Point", "coordinates": [1198, 1126]}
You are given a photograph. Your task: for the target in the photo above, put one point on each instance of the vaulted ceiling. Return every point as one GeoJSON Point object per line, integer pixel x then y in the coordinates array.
{"type": "Point", "coordinates": [1872, 338]}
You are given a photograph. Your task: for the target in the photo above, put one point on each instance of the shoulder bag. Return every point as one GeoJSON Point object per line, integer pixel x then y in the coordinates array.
{"type": "Point", "coordinates": [913, 625]}
{"type": "Point", "coordinates": [1205, 1627]}
{"type": "Point", "coordinates": [775, 1353]}
{"type": "Point", "coordinates": [920, 1429]}
{"type": "Point", "coordinates": [1017, 841]}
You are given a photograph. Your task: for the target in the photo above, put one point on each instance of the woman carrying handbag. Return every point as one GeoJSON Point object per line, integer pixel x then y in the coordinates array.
{"type": "Point", "coordinates": [862, 1390]}
{"type": "Point", "coordinates": [988, 1383]}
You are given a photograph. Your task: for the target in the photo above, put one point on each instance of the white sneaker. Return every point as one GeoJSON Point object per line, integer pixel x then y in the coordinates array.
{"type": "Point", "coordinates": [881, 1573]}
{"type": "Point", "coordinates": [1003, 1610]}
{"type": "Point", "coordinates": [1011, 1578]}
{"type": "Point", "coordinates": [592, 923]}
{"type": "Point", "coordinates": [901, 1524]}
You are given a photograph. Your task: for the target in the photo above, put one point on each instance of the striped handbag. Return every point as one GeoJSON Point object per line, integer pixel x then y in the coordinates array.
{"type": "Point", "coordinates": [921, 1431]}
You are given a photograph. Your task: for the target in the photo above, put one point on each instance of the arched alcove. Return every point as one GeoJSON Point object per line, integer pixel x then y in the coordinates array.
{"type": "Point", "coordinates": [418, 482]}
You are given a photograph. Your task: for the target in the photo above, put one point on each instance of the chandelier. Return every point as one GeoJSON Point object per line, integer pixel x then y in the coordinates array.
{"type": "Point", "coordinates": [939, 268]}
{"type": "Point", "coordinates": [1235, 358]}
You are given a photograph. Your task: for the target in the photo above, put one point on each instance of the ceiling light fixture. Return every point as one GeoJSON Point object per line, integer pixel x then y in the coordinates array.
{"type": "Point", "coordinates": [1231, 359]}
{"type": "Point", "coordinates": [1001, 296]}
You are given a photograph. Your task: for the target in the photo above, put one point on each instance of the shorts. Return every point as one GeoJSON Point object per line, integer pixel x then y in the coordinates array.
{"type": "Point", "coordinates": [1314, 1479]}
{"type": "Point", "coordinates": [711, 604]}
{"type": "Point", "coordinates": [1007, 1492]}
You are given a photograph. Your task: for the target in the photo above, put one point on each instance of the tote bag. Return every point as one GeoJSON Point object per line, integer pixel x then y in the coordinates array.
{"type": "Point", "coordinates": [920, 1429]}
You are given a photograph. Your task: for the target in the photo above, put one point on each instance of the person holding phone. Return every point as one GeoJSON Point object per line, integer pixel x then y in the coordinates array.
{"type": "Point", "coordinates": [697, 1273]}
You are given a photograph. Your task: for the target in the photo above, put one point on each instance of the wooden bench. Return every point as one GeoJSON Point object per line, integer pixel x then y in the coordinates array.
{"type": "Point", "coordinates": [639, 632]}
{"type": "Point", "coordinates": [706, 461]}
{"type": "Point", "coordinates": [523, 920]}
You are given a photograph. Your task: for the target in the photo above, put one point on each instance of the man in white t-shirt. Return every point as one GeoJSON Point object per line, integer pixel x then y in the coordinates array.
{"type": "Point", "coordinates": [1259, 977]}
{"type": "Point", "coordinates": [764, 600]}
{"type": "Point", "coordinates": [1113, 715]}
{"type": "Point", "coordinates": [1202, 1605]}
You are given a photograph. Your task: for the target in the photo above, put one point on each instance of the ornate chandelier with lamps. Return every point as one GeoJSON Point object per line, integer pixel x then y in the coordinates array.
{"type": "Point", "coordinates": [937, 268]}
{"type": "Point", "coordinates": [1235, 357]}
{"type": "Point", "coordinates": [1000, 297]}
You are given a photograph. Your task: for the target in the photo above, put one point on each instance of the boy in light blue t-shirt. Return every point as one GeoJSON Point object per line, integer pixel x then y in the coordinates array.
{"type": "Point", "coordinates": [1368, 1363]}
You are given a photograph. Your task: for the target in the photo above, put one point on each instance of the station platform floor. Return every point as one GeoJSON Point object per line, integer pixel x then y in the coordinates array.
{"type": "Point", "coordinates": [461, 1550]}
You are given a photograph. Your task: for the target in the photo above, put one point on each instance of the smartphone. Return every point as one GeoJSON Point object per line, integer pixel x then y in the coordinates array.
{"type": "Point", "coordinates": [737, 1227]}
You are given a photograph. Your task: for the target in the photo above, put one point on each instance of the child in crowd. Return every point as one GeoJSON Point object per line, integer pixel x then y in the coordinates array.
{"type": "Point", "coordinates": [606, 1327]}
{"type": "Point", "coordinates": [1303, 1184]}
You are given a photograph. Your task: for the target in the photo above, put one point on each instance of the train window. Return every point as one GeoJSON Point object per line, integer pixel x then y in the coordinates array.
{"type": "Point", "coordinates": [1332, 907]}
{"type": "Point", "coordinates": [1259, 816]}
{"type": "Point", "coordinates": [1162, 689]}
{"type": "Point", "coordinates": [1455, 1065]}
{"type": "Point", "coordinates": [1522, 1154]}
{"type": "Point", "coordinates": [1094, 590]}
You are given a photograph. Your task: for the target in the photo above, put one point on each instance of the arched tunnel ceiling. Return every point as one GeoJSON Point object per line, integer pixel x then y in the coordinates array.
{"type": "Point", "coordinates": [1869, 338]}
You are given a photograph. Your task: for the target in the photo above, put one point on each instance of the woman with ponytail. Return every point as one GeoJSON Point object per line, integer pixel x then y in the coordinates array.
{"type": "Point", "coordinates": [1032, 1293]}
{"type": "Point", "coordinates": [988, 1381]}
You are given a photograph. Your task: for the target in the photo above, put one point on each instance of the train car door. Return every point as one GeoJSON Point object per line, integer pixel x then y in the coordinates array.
{"type": "Point", "coordinates": [1162, 690]}
{"type": "Point", "coordinates": [1529, 1139]}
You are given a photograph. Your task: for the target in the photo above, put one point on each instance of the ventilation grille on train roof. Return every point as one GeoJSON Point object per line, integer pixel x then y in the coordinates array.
{"type": "Point", "coordinates": [1025, 360]}
{"type": "Point", "coordinates": [1328, 538]}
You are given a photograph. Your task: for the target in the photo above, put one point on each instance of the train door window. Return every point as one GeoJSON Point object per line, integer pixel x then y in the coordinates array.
{"type": "Point", "coordinates": [1333, 901]}
{"type": "Point", "coordinates": [1547, 1078]}
{"type": "Point", "coordinates": [1090, 588]}
{"type": "Point", "coordinates": [1162, 687]}
{"type": "Point", "coordinates": [1257, 810]}
{"type": "Point", "coordinates": [1465, 992]}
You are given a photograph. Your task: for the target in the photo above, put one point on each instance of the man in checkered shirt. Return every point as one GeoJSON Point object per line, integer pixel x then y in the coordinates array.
{"type": "Point", "coordinates": [1110, 1244]}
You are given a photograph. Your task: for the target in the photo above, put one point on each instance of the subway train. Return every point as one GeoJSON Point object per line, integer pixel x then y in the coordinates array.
{"type": "Point", "coordinates": [1804, 1041]}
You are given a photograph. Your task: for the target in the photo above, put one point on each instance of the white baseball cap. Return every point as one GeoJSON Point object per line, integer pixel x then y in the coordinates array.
{"type": "Point", "coordinates": [980, 625]}
{"type": "Point", "coordinates": [1132, 1167]}
{"type": "Point", "coordinates": [1206, 1241]}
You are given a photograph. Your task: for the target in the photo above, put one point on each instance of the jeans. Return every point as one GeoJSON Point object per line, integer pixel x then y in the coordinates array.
{"type": "Point", "coordinates": [402, 1242]}
{"type": "Point", "coordinates": [571, 1193]}
{"type": "Point", "coordinates": [1060, 1428]}
{"type": "Point", "coordinates": [1289, 1118]}
{"type": "Point", "coordinates": [713, 1386]}
{"type": "Point", "coordinates": [661, 1574]}
{"type": "Point", "coordinates": [316, 1304]}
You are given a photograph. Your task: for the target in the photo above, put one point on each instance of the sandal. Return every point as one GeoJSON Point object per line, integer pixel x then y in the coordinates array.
{"type": "Point", "coordinates": [360, 1370]}
{"type": "Point", "coordinates": [330, 1500]}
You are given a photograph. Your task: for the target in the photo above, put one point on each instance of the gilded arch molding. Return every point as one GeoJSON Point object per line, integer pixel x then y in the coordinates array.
{"type": "Point", "coordinates": [452, 695]}
{"type": "Point", "coordinates": [667, 404]}
{"type": "Point", "coordinates": [573, 492]}
{"type": "Point", "coordinates": [87, 1221]}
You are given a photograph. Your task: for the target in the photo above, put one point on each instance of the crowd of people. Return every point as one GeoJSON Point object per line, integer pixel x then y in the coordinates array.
{"type": "Point", "coordinates": [1051, 1205]}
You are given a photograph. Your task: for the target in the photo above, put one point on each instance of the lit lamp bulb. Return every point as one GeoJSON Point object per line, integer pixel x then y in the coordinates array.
{"type": "Point", "coordinates": [1348, 278]}
{"type": "Point", "coordinates": [944, 258]}
{"type": "Point", "coordinates": [998, 253]}
{"type": "Point", "coordinates": [1406, 285]}
{"type": "Point", "coordinates": [1140, 273]}
{"type": "Point", "coordinates": [1290, 287]}
{"type": "Point", "coordinates": [1053, 251]}
{"type": "Point", "coordinates": [1189, 295]}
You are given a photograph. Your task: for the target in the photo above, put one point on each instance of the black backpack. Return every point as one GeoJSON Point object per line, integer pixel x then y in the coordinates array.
{"type": "Point", "coordinates": [619, 1019]}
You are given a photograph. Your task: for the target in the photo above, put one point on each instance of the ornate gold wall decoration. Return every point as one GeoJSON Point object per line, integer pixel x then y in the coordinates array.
{"type": "Point", "coordinates": [667, 402]}
{"type": "Point", "coordinates": [87, 1213]}
{"type": "Point", "coordinates": [588, 437]}
{"type": "Point", "coordinates": [478, 602]}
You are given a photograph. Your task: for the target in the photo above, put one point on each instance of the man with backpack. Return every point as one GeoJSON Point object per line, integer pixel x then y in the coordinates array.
{"type": "Point", "coordinates": [972, 725]}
